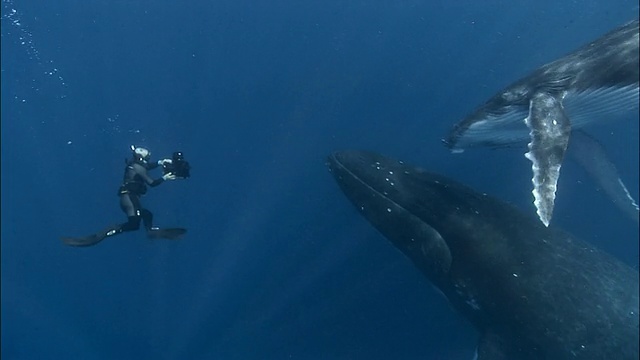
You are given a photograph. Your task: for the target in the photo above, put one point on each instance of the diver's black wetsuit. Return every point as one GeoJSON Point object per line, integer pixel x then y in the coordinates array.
{"type": "Point", "coordinates": [134, 185]}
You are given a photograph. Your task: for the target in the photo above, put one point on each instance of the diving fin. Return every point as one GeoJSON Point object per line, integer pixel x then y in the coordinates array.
{"type": "Point", "coordinates": [170, 234]}
{"type": "Point", "coordinates": [91, 239]}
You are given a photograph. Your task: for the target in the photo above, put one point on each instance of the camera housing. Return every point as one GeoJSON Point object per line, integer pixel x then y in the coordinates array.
{"type": "Point", "coordinates": [178, 167]}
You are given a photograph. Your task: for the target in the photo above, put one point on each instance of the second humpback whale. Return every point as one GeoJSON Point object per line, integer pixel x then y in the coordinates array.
{"type": "Point", "coordinates": [533, 292]}
{"type": "Point", "coordinates": [597, 82]}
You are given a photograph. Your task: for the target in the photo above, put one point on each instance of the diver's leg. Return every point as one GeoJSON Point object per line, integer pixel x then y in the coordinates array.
{"type": "Point", "coordinates": [133, 223]}
{"type": "Point", "coordinates": [130, 205]}
{"type": "Point", "coordinates": [147, 219]}
{"type": "Point", "coordinates": [133, 208]}
{"type": "Point", "coordinates": [153, 232]}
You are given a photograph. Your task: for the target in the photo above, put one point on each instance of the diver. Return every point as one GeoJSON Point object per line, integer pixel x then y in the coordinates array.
{"type": "Point", "coordinates": [134, 185]}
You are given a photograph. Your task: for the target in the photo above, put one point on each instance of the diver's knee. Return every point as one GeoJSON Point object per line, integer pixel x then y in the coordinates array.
{"type": "Point", "coordinates": [132, 224]}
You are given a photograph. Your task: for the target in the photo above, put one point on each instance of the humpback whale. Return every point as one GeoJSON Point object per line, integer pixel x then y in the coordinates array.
{"type": "Point", "coordinates": [597, 82]}
{"type": "Point", "coordinates": [532, 291]}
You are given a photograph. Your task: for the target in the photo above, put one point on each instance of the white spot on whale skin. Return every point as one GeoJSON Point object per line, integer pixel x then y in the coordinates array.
{"type": "Point", "coordinates": [469, 299]}
{"type": "Point", "coordinates": [473, 303]}
{"type": "Point", "coordinates": [388, 210]}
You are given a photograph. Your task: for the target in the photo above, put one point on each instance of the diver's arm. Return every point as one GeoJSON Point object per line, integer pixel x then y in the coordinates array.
{"type": "Point", "coordinates": [142, 172]}
{"type": "Point", "coordinates": [161, 162]}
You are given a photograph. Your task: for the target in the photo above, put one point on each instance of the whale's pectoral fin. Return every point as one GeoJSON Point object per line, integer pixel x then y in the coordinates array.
{"type": "Point", "coordinates": [591, 155]}
{"type": "Point", "coordinates": [549, 132]}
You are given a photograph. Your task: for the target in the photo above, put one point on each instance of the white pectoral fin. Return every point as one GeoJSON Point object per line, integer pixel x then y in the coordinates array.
{"type": "Point", "coordinates": [549, 136]}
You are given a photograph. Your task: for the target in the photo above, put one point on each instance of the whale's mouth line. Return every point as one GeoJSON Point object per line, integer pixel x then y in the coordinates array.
{"type": "Point", "coordinates": [364, 183]}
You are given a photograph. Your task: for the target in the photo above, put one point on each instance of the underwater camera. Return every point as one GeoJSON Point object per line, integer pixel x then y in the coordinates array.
{"type": "Point", "coordinates": [178, 167]}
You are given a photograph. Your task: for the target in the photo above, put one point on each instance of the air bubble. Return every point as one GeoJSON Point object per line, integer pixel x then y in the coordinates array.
{"type": "Point", "coordinates": [13, 26]}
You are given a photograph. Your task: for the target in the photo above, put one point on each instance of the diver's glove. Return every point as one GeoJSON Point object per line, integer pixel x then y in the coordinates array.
{"type": "Point", "coordinates": [168, 176]}
{"type": "Point", "coordinates": [161, 162]}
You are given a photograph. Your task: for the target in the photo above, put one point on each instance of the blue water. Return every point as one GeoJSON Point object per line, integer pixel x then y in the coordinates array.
{"type": "Point", "coordinates": [277, 264]}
